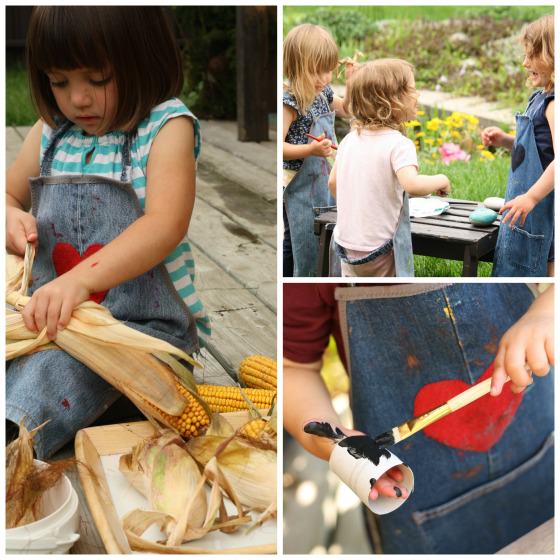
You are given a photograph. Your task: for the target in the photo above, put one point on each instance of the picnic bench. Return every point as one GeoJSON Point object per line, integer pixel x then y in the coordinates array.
{"type": "Point", "coordinates": [449, 236]}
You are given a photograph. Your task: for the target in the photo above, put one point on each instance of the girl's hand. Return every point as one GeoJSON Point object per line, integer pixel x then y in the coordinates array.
{"type": "Point", "coordinates": [350, 66]}
{"type": "Point", "coordinates": [519, 207]}
{"type": "Point", "coordinates": [387, 484]}
{"type": "Point", "coordinates": [445, 187]}
{"type": "Point", "coordinates": [21, 228]}
{"type": "Point", "coordinates": [526, 348]}
{"type": "Point", "coordinates": [322, 148]}
{"type": "Point", "coordinates": [493, 136]}
{"type": "Point", "coordinates": [52, 304]}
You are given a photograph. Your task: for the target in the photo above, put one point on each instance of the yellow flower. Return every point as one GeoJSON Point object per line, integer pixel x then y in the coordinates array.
{"type": "Point", "coordinates": [412, 124]}
{"type": "Point", "coordinates": [480, 146]}
{"type": "Point", "coordinates": [420, 134]}
{"type": "Point", "coordinates": [512, 132]}
{"type": "Point", "coordinates": [429, 141]}
{"type": "Point", "coordinates": [455, 134]}
{"type": "Point", "coordinates": [440, 141]}
{"type": "Point", "coordinates": [487, 155]}
{"type": "Point", "coordinates": [420, 113]}
{"type": "Point", "coordinates": [433, 124]}
{"type": "Point", "coordinates": [434, 155]}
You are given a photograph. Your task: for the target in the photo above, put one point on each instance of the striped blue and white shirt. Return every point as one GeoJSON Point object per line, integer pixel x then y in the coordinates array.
{"type": "Point", "coordinates": [106, 160]}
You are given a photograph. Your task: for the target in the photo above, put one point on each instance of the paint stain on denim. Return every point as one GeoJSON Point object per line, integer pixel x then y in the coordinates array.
{"type": "Point", "coordinates": [66, 404]}
{"type": "Point", "coordinates": [412, 361]}
{"type": "Point", "coordinates": [469, 473]}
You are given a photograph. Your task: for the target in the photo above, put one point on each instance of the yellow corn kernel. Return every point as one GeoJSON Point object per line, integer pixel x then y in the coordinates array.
{"type": "Point", "coordinates": [229, 399]}
{"type": "Point", "coordinates": [258, 372]}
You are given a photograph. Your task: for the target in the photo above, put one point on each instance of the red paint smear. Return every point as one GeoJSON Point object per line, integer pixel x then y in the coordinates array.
{"type": "Point", "coordinates": [476, 427]}
{"type": "Point", "coordinates": [94, 264]}
{"type": "Point", "coordinates": [65, 404]}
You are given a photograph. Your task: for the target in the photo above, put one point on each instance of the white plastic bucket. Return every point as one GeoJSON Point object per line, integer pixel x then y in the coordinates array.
{"type": "Point", "coordinates": [56, 530]}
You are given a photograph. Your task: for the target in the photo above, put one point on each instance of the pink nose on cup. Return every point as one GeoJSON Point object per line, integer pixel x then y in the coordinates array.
{"type": "Point", "coordinates": [359, 464]}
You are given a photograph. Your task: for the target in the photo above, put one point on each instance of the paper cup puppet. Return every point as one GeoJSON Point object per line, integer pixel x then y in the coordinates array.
{"type": "Point", "coordinates": [359, 462]}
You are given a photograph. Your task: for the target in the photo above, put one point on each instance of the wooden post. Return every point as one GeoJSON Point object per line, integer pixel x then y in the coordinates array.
{"type": "Point", "coordinates": [252, 72]}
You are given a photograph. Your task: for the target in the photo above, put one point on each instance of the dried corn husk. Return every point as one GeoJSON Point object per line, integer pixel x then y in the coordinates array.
{"type": "Point", "coordinates": [27, 481]}
{"type": "Point", "coordinates": [142, 367]}
{"type": "Point", "coordinates": [166, 474]}
{"type": "Point", "coordinates": [249, 469]}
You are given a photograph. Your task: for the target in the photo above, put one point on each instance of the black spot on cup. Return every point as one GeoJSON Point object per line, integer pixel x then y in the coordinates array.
{"type": "Point", "coordinates": [398, 491]}
{"type": "Point", "coordinates": [517, 156]}
{"type": "Point", "coordinates": [372, 481]}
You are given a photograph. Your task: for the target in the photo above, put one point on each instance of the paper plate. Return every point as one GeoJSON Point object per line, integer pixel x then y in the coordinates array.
{"type": "Point", "coordinates": [423, 207]}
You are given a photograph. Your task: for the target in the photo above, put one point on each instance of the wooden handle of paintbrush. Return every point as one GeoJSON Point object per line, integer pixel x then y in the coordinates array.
{"type": "Point", "coordinates": [470, 395]}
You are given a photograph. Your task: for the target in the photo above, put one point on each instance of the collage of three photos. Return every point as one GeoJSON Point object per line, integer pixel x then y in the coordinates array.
{"type": "Point", "coordinates": [208, 352]}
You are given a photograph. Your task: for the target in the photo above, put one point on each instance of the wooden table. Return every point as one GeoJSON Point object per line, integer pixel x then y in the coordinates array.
{"type": "Point", "coordinates": [448, 236]}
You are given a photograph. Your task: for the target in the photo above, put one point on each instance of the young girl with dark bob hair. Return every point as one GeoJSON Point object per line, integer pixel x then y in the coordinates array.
{"type": "Point", "coordinates": [112, 165]}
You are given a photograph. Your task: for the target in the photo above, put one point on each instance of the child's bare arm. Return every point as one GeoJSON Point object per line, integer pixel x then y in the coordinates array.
{"type": "Point", "coordinates": [332, 180]}
{"type": "Point", "coordinates": [306, 398]}
{"type": "Point", "coordinates": [170, 193]}
{"type": "Point", "coordinates": [20, 225]}
{"type": "Point", "coordinates": [300, 151]}
{"type": "Point", "coordinates": [337, 106]}
{"type": "Point", "coordinates": [529, 342]}
{"type": "Point", "coordinates": [521, 205]}
{"type": "Point", "coordinates": [495, 136]}
{"type": "Point", "coordinates": [420, 185]}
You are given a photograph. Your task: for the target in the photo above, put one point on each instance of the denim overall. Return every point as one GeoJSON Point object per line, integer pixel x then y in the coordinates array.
{"type": "Point", "coordinates": [401, 244]}
{"type": "Point", "coordinates": [484, 476]}
{"type": "Point", "coordinates": [76, 215]}
{"type": "Point", "coordinates": [525, 250]}
{"type": "Point", "coordinates": [309, 189]}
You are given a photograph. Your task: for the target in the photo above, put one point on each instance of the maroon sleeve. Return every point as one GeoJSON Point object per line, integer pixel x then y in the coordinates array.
{"type": "Point", "coordinates": [310, 317]}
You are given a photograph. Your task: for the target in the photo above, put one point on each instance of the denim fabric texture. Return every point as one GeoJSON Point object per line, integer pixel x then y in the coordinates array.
{"type": "Point", "coordinates": [525, 250]}
{"type": "Point", "coordinates": [308, 189]}
{"type": "Point", "coordinates": [400, 339]}
{"type": "Point", "coordinates": [81, 211]}
{"type": "Point", "coordinates": [287, 257]}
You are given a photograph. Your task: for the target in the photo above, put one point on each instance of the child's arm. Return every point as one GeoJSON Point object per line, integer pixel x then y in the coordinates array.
{"type": "Point", "coordinates": [494, 136]}
{"type": "Point", "coordinates": [529, 342]}
{"type": "Point", "coordinates": [300, 151]}
{"type": "Point", "coordinates": [337, 106]}
{"type": "Point", "coordinates": [420, 185]}
{"type": "Point", "coordinates": [306, 398]}
{"type": "Point", "coordinates": [170, 193]}
{"type": "Point", "coordinates": [21, 227]}
{"type": "Point", "coordinates": [332, 180]}
{"type": "Point", "coordinates": [521, 205]}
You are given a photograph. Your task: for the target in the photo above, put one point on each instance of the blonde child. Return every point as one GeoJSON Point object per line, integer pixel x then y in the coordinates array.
{"type": "Point", "coordinates": [309, 107]}
{"type": "Point", "coordinates": [525, 245]}
{"type": "Point", "coordinates": [375, 170]}
{"type": "Point", "coordinates": [112, 161]}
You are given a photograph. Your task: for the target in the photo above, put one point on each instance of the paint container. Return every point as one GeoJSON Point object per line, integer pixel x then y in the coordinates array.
{"type": "Point", "coordinates": [56, 530]}
{"type": "Point", "coordinates": [358, 472]}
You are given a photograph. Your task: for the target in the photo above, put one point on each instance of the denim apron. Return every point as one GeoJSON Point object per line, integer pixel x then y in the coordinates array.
{"type": "Point", "coordinates": [525, 250]}
{"type": "Point", "coordinates": [401, 244]}
{"type": "Point", "coordinates": [484, 476]}
{"type": "Point", "coordinates": [309, 189]}
{"type": "Point", "coordinates": [76, 215]}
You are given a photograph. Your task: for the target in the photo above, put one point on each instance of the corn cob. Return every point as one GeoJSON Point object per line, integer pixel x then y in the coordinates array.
{"type": "Point", "coordinates": [258, 372]}
{"type": "Point", "coordinates": [229, 399]}
{"type": "Point", "coordinates": [255, 429]}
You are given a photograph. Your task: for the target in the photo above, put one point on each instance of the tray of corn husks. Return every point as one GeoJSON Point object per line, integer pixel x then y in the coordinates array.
{"type": "Point", "coordinates": [149, 490]}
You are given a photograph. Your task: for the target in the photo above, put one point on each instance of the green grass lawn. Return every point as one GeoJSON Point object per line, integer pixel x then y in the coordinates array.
{"type": "Point", "coordinates": [19, 108]}
{"type": "Point", "coordinates": [472, 180]}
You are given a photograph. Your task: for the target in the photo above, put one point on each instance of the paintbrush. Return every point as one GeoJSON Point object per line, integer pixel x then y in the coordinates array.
{"type": "Point", "coordinates": [411, 427]}
{"type": "Point", "coordinates": [320, 140]}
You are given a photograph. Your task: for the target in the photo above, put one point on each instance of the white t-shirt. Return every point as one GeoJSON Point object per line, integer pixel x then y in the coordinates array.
{"type": "Point", "coordinates": [368, 195]}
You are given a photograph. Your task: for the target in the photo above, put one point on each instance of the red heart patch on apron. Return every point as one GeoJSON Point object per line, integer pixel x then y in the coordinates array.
{"type": "Point", "coordinates": [65, 257]}
{"type": "Point", "coordinates": [476, 427]}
